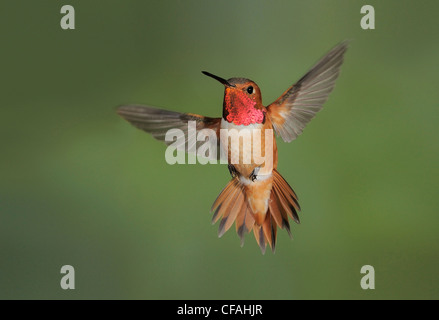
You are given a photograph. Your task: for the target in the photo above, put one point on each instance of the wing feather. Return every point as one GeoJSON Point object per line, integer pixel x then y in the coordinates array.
{"type": "Point", "coordinates": [292, 111]}
{"type": "Point", "coordinates": [158, 122]}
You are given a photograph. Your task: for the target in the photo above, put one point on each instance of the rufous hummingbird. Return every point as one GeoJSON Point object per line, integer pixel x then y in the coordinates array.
{"type": "Point", "coordinates": [257, 198]}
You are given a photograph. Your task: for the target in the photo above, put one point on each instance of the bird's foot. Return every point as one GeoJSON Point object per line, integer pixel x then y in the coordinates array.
{"type": "Point", "coordinates": [232, 170]}
{"type": "Point", "coordinates": [254, 175]}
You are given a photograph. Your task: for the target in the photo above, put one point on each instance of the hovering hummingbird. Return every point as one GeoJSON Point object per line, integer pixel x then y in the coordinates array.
{"type": "Point", "coordinates": [257, 198]}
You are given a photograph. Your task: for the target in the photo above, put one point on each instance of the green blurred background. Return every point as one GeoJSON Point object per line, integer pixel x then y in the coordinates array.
{"type": "Point", "coordinates": [80, 186]}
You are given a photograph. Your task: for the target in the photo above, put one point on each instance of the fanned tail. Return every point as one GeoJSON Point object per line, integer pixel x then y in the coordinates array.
{"type": "Point", "coordinates": [283, 204]}
{"type": "Point", "coordinates": [232, 206]}
{"type": "Point", "coordinates": [266, 233]}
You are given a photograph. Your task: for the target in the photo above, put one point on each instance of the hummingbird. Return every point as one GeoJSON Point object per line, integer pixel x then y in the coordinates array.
{"type": "Point", "coordinates": [257, 198]}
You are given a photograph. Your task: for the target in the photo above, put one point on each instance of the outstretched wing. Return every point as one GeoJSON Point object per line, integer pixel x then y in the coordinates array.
{"type": "Point", "coordinates": [299, 104]}
{"type": "Point", "coordinates": [159, 122]}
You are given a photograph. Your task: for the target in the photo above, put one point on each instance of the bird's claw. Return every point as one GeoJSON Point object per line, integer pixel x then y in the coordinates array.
{"type": "Point", "coordinates": [232, 170]}
{"type": "Point", "coordinates": [254, 175]}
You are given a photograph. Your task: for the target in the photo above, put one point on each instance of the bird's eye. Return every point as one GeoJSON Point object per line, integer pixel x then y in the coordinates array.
{"type": "Point", "coordinates": [250, 90]}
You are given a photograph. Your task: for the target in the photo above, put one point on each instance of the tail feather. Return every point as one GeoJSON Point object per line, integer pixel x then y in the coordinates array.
{"type": "Point", "coordinates": [280, 181]}
{"type": "Point", "coordinates": [259, 236]}
{"type": "Point", "coordinates": [285, 205]}
{"type": "Point", "coordinates": [279, 214]}
{"type": "Point", "coordinates": [232, 206]}
{"type": "Point", "coordinates": [270, 230]}
{"type": "Point", "coordinates": [286, 196]}
{"type": "Point", "coordinates": [229, 216]}
{"type": "Point", "coordinates": [244, 222]}
{"type": "Point", "coordinates": [223, 200]}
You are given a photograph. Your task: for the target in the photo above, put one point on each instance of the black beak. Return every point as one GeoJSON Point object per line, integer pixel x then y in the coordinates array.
{"type": "Point", "coordinates": [223, 81]}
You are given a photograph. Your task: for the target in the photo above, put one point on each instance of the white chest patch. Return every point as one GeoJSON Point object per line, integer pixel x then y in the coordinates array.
{"type": "Point", "coordinates": [240, 141]}
{"type": "Point", "coordinates": [230, 125]}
